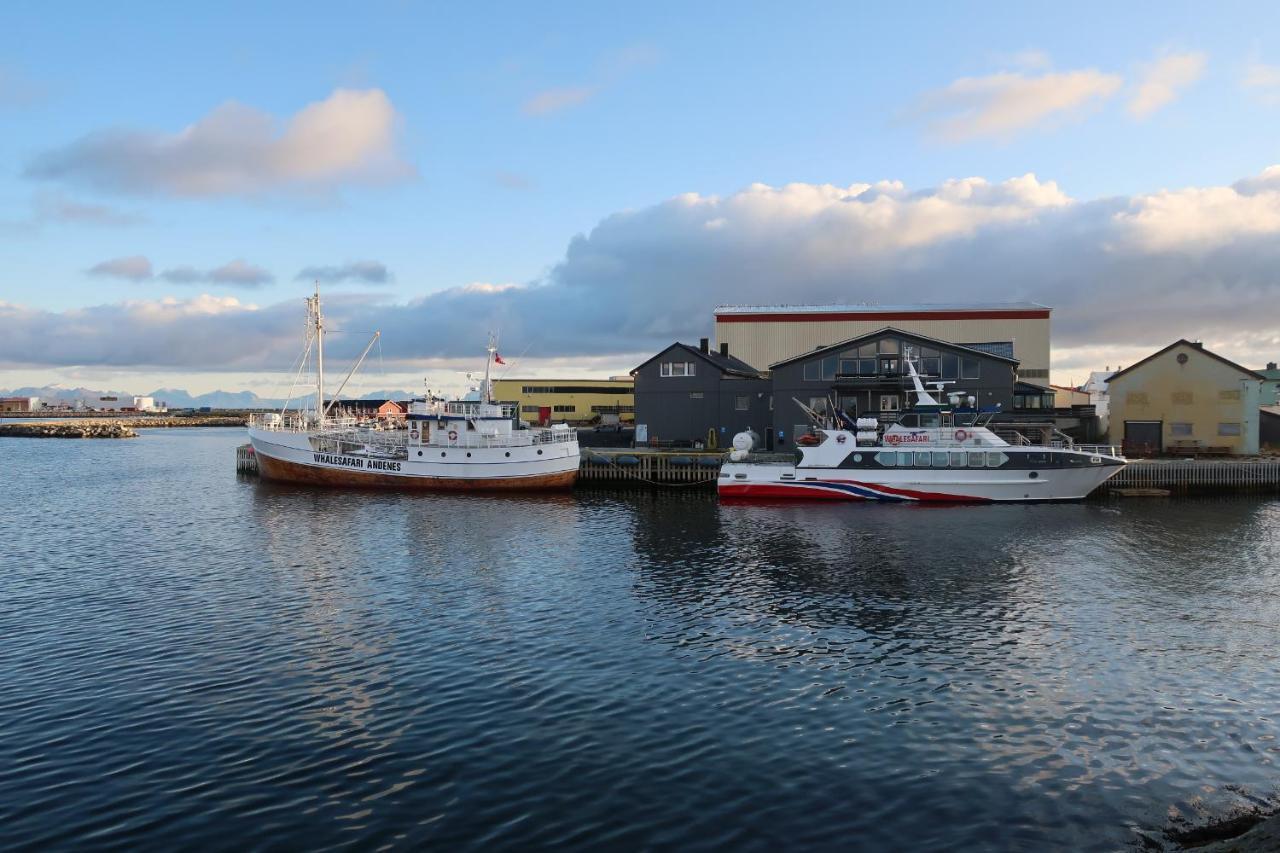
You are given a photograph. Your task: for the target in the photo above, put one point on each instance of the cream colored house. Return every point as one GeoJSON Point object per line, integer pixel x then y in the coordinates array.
{"type": "Point", "coordinates": [1185, 397]}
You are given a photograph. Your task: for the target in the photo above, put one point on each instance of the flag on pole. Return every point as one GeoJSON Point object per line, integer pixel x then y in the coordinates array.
{"type": "Point", "coordinates": [497, 359]}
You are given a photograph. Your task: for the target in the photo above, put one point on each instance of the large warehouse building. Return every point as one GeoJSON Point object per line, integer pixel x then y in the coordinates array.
{"type": "Point", "coordinates": [577, 400]}
{"type": "Point", "coordinates": [763, 335]}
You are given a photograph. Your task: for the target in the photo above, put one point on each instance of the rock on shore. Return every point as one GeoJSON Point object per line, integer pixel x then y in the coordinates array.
{"type": "Point", "coordinates": [75, 429]}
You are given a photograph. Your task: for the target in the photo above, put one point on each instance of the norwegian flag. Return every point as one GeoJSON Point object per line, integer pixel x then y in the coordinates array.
{"type": "Point", "coordinates": [497, 359]}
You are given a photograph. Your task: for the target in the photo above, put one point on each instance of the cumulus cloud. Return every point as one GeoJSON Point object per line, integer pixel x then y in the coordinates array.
{"type": "Point", "coordinates": [368, 272]}
{"type": "Point", "coordinates": [1005, 104]}
{"type": "Point", "coordinates": [556, 100]}
{"type": "Point", "coordinates": [1264, 80]}
{"type": "Point", "coordinates": [133, 267]}
{"type": "Point", "coordinates": [1161, 82]}
{"type": "Point", "coordinates": [56, 207]}
{"type": "Point", "coordinates": [237, 150]}
{"type": "Point", "coordinates": [1122, 274]}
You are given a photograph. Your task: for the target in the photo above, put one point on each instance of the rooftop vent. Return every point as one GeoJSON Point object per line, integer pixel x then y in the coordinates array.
{"type": "Point", "coordinates": [704, 344]}
{"type": "Point", "coordinates": [724, 349]}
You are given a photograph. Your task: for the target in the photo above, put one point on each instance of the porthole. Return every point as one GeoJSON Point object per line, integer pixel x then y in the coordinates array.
{"type": "Point", "coordinates": [419, 452]}
{"type": "Point", "coordinates": [508, 452]}
{"type": "Point", "coordinates": [468, 455]}
{"type": "Point", "coordinates": [442, 454]}
{"type": "Point", "coordinates": [1034, 474]}
{"type": "Point", "coordinates": [857, 457]}
{"type": "Point", "coordinates": [539, 452]}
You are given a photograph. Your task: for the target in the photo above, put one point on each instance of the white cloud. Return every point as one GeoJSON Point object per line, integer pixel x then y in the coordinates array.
{"type": "Point", "coordinates": [1122, 274]}
{"type": "Point", "coordinates": [133, 267]}
{"type": "Point", "coordinates": [368, 272]}
{"type": "Point", "coordinates": [1264, 80]}
{"type": "Point", "coordinates": [1005, 104]}
{"type": "Point", "coordinates": [556, 100]}
{"type": "Point", "coordinates": [350, 137]}
{"type": "Point", "coordinates": [56, 207]}
{"type": "Point", "coordinates": [1161, 82]}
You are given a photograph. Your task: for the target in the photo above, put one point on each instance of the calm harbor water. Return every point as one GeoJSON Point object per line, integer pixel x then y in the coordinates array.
{"type": "Point", "coordinates": [199, 660]}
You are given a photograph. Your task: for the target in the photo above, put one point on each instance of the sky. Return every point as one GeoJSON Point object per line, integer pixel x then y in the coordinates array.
{"type": "Point", "coordinates": [590, 182]}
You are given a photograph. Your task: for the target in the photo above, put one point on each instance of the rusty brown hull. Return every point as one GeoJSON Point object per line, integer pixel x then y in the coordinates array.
{"type": "Point", "coordinates": [312, 475]}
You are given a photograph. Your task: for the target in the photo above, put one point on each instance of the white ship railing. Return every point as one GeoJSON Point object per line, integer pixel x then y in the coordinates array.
{"type": "Point", "coordinates": [519, 438]}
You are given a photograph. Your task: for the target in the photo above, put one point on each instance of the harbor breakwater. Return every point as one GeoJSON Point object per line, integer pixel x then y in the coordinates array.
{"type": "Point", "coordinates": [111, 427]}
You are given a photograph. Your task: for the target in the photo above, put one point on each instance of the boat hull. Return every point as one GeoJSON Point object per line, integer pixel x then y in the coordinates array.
{"type": "Point", "coordinates": [765, 482]}
{"type": "Point", "coordinates": [289, 458]}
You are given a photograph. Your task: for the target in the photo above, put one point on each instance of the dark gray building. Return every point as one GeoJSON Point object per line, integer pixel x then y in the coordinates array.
{"type": "Point", "coordinates": [866, 377]}
{"type": "Point", "coordinates": [685, 392]}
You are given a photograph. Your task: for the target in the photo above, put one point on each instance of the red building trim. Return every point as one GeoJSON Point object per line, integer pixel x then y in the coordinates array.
{"type": "Point", "coordinates": [836, 316]}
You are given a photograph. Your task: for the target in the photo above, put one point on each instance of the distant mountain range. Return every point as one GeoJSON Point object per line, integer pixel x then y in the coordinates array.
{"type": "Point", "coordinates": [176, 398]}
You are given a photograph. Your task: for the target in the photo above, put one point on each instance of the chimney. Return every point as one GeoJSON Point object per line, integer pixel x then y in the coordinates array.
{"type": "Point", "coordinates": [1198, 344]}
{"type": "Point", "coordinates": [724, 349]}
{"type": "Point", "coordinates": [704, 344]}
{"type": "Point", "coordinates": [1271, 365]}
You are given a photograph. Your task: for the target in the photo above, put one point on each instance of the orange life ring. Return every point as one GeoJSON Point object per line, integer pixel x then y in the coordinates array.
{"type": "Point", "coordinates": [961, 435]}
{"type": "Point", "coordinates": [453, 435]}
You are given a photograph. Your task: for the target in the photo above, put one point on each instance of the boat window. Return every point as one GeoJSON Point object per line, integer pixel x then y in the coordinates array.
{"type": "Point", "coordinates": [922, 458]}
{"type": "Point", "coordinates": [995, 459]}
{"type": "Point", "coordinates": [910, 420]}
{"type": "Point", "coordinates": [929, 419]}
{"type": "Point", "coordinates": [957, 459]}
{"type": "Point", "coordinates": [977, 460]}
{"type": "Point", "coordinates": [940, 458]}
{"type": "Point", "coordinates": [1038, 458]}
{"type": "Point", "coordinates": [888, 459]}
{"type": "Point", "coordinates": [904, 459]}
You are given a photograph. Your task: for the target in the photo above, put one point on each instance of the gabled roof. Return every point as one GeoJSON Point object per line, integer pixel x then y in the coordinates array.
{"type": "Point", "coordinates": [918, 308]}
{"type": "Point", "coordinates": [891, 330]}
{"type": "Point", "coordinates": [724, 363]}
{"type": "Point", "coordinates": [1195, 346]}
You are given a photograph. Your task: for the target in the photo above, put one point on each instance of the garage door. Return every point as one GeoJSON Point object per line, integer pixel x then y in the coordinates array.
{"type": "Point", "coordinates": [1143, 436]}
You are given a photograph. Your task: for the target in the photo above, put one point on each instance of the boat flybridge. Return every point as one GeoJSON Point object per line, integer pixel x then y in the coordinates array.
{"type": "Point", "coordinates": [932, 453]}
{"type": "Point", "coordinates": [474, 443]}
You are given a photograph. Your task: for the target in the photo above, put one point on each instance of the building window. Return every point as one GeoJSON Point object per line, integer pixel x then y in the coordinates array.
{"type": "Point", "coordinates": [1136, 398]}
{"type": "Point", "coordinates": [950, 367]}
{"type": "Point", "coordinates": [888, 346]}
{"type": "Point", "coordinates": [812, 372]}
{"type": "Point", "coordinates": [695, 395]}
{"type": "Point", "coordinates": [563, 409]}
{"type": "Point", "coordinates": [530, 410]}
{"type": "Point", "coordinates": [678, 368]}
{"type": "Point", "coordinates": [743, 403]}
{"type": "Point", "coordinates": [829, 368]}
{"type": "Point", "coordinates": [889, 403]}
{"type": "Point", "coordinates": [1183, 398]}
{"type": "Point", "coordinates": [931, 366]}
{"type": "Point", "coordinates": [1229, 430]}
{"type": "Point", "coordinates": [611, 410]}
{"type": "Point", "coordinates": [1227, 394]}
{"type": "Point", "coordinates": [818, 404]}
{"type": "Point", "coordinates": [969, 368]}
{"type": "Point", "coordinates": [1034, 373]}
{"type": "Point", "coordinates": [888, 365]}
{"type": "Point", "coordinates": [1178, 430]}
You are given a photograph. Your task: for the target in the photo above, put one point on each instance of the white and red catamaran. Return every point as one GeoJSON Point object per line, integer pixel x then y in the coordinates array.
{"type": "Point", "coordinates": [474, 444]}
{"type": "Point", "coordinates": [931, 453]}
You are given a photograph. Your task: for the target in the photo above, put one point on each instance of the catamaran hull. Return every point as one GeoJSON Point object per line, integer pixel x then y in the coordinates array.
{"type": "Point", "coordinates": [756, 482]}
{"type": "Point", "coordinates": [289, 458]}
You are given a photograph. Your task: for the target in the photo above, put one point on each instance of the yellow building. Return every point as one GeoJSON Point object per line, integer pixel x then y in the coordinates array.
{"type": "Point", "coordinates": [576, 400]}
{"type": "Point", "coordinates": [1185, 398]}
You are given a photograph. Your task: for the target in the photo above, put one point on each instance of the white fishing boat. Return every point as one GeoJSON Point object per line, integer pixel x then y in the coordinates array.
{"type": "Point", "coordinates": [932, 453]}
{"type": "Point", "coordinates": [471, 444]}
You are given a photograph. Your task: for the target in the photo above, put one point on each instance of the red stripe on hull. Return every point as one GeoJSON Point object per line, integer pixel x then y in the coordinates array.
{"type": "Point", "coordinates": [882, 316]}
{"type": "Point", "coordinates": [312, 475]}
{"type": "Point", "coordinates": [917, 495]}
{"type": "Point", "coordinates": [768, 490]}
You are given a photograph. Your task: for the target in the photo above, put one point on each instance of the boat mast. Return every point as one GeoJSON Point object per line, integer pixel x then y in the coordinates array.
{"type": "Point", "coordinates": [317, 326]}
{"type": "Point", "coordinates": [488, 389]}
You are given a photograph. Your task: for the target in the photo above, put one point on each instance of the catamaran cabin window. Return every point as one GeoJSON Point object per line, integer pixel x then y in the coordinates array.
{"type": "Point", "coordinates": [996, 459]}
{"type": "Point", "coordinates": [977, 460]}
{"type": "Point", "coordinates": [904, 459]}
{"type": "Point", "coordinates": [888, 459]}
{"type": "Point", "coordinates": [940, 458]}
{"type": "Point", "coordinates": [922, 458]}
{"type": "Point", "coordinates": [930, 419]}
{"type": "Point", "coordinates": [910, 420]}
{"type": "Point", "coordinates": [957, 459]}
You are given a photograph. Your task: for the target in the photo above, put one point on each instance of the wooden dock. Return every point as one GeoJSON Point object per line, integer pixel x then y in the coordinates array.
{"type": "Point", "coordinates": [649, 468]}
{"type": "Point", "coordinates": [1194, 475]}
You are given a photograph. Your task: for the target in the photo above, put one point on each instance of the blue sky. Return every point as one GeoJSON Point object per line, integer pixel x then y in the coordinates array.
{"type": "Point", "coordinates": [512, 129]}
